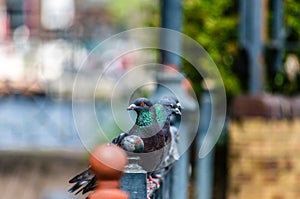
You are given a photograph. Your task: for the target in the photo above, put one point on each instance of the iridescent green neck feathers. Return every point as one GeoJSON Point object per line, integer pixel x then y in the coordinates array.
{"type": "Point", "coordinates": [144, 118]}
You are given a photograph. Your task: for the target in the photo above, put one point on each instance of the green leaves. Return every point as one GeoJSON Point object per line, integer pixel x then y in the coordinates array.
{"type": "Point", "coordinates": [214, 24]}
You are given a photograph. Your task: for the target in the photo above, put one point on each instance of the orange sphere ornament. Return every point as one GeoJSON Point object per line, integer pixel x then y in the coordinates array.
{"type": "Point", "coordinates": [107, 162]}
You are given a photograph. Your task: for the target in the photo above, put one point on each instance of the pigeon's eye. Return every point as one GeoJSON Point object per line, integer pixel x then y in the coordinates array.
{"type": "Point", "coordinates": [143, 104]}
{"type": "Point", "coordinates": [171, 106]}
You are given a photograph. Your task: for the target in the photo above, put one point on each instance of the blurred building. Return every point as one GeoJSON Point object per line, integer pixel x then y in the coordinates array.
{"type": "Point", "coordinates": [42, 46]}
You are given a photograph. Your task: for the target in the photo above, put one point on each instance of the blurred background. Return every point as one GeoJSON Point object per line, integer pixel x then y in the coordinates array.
{"type": "Point", "coordinates": [43, 43]}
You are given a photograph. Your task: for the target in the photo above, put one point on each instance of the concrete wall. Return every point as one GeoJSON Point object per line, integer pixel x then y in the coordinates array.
{"type": "Point", "coordinates": [38, 176]}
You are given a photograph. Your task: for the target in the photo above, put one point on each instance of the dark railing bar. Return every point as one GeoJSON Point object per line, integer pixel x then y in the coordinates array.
{"type": "Point", "coordinates": [134, 180]}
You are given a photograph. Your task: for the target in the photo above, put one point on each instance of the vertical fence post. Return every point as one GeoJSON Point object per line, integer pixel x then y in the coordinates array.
{"type": "Point", "coordinates": [171, 18]}
{"type": "Point", "coordinates": [134, 179]}
{"type": "Point", "coordinates": [107, 162]}
{"type": "Point", "coordinates": [180, 180]}
{"type": "Point", "coordinates": [204, 166]}
{"type": "Point", "coordinates": [278, 32]}
{"type": "Point", "coordinates": [251, 32]}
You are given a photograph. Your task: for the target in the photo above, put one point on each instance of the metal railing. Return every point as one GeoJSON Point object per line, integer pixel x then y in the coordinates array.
{"type": "Point", "coordinates": [136, 184]}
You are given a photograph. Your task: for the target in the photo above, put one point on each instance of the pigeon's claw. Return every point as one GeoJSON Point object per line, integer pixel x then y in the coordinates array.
{"type": "Point", "coordinates": [151, 180]}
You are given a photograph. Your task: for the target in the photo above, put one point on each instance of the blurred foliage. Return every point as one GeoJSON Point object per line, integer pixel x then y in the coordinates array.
{"type": "Point", "coordinates": [280, 81]}
{"type": "Point", "coordinates": [125, 12]}
{"type": "Point", "coordinates": [292, 10]}
{"type": "Point", "coordinates": [283, 85]}
{"type": "Point", "coordinates": [213, 24]}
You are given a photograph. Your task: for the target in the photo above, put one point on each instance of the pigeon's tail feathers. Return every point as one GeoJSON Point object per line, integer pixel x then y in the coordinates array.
{"type": "Point", "coordinates": [83, 182]}
{"type": "Point", "coordinates": [86, 180]}
{"type": "Point", "coordinates": [77, 187]}
{"type": "Point", "coordinates": [85, 175]}
{"type": "Point", "coordinates": [83, 187]}
{"type": "Point", "coordinates": [90, 186]}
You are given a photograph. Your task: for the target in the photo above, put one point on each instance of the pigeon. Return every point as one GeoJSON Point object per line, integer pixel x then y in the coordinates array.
{"type": "Point", "coordinates": [86, 180]}
{"type": "Point", "coordinates": [175, 117]}
{"type": "Point", "coordinates": [165, 108]}
{"type": "Point", "coordinates": [150, 137]}
{"type": "Point", "coordinates": [172, 104]}
{"type": "Point", "coordinates": [153, 127]}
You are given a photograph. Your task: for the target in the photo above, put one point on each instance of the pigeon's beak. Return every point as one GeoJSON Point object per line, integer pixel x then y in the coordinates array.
{"type": "Point", "coordinates": [131, 107]}
{"type": "Point", "coordinates": [177, 111]}
{"type": "Point", "coordinates": [179, 106]}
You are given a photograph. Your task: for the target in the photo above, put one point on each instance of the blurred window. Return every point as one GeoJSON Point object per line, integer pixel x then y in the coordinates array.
{"type": "Point", "coordinates": [57, 14]}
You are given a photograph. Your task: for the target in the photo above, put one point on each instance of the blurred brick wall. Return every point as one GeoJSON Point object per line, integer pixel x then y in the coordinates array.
{"type": "Point", "coordinates": [264, 150]}
{"type": "Point", "coordinates": [264, 159]}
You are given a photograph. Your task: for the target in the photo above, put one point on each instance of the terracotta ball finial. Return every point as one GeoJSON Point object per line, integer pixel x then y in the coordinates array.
{"type": "Point", "coordinates": [108, 162]}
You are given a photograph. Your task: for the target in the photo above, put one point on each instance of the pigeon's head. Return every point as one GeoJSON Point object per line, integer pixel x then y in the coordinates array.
{"type": "Point", "coordinates": [178, 105]}
{"type": "Point", "coordinates": [140, 104]}
{"type": "Point", "coordinates": [172, 104]}
{"type": "Point", "coordinates": [174, 99]}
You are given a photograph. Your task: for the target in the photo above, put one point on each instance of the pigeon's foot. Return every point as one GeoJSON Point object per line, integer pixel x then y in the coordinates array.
{"type": "Point", "coordinates": [151, 180]}
{"type": "Point", "coordinates": [157, 176]}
